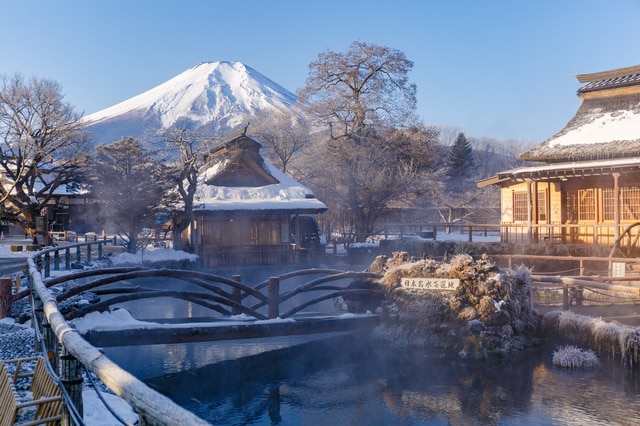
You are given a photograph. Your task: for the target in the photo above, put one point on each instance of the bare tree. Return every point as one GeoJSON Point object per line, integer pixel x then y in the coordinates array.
{"type": "Point", "coordinates": [186, 147]}
{"type": "Point", "coordinates": [447, 135]}
{"type": "Point", "coordinates": [362, 96]}
{"type": "Point", "coordinates": [42, 148]}
{"type": "Point", "coordinates": [283, 135]}
{"type": "Point", "coordinates": [130, 185]}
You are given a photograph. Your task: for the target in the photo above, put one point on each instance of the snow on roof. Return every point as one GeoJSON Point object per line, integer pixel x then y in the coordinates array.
{"type": "Point", "coordinates": [287, 194]}
{"type": "Point", "coordinates": [602, 128]}
{"type": "Point", "coordinates": [607, 127]}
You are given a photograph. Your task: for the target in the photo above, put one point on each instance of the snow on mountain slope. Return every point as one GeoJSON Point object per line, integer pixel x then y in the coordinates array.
{"type": "Point", "coordinates": [215, 95]}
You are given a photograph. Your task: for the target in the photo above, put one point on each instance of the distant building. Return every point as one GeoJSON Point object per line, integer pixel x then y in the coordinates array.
{"type": "Point", "coordinates": [585, 187]}
{"type": "Point", "coordinates": [244, 207]}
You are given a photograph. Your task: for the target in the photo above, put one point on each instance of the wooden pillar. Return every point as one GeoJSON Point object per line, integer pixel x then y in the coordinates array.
{"type": "Point", "coordinates": [100, 249]}
{"type": "Point", "coordinates": [236, 294]}
{"type": "Point", "coordinates": [38, 313]}
{"type": "Point", "coordinates": [88, 252]}
{"type": "Point", "coordinates": [67, 259]}
{"type": "Point", "coordinates": [274, 297]}
{"type": "Point", "coordinates": [50, 342]}
{"type": "Point", "coordinates": [56, 260]}
{"type": "Point", "coordinates": [529, 213]}
{"type": "Point", "coordinates": [78, 254]}
{"type": "Point", "coordinates": [47, 265]}
{"type": "Point", "coordinates": [71, 378]}
{"type": "Point", "coordinates": [6, 297]}
{"type": "Point", "coordinates": [535, 219]}
{"type": "Point", "coordinates": [616, 206]}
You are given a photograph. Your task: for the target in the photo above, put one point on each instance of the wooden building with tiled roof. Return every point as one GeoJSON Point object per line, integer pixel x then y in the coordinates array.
{"type": "Point", "coordinates": [584, 186]}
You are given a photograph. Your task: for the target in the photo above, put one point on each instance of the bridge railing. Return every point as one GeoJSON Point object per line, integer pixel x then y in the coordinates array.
{"type": "Point", "coordinates": [69, 351]}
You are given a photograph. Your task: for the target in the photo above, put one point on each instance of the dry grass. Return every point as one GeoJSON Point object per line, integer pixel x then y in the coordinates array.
{"type": "Point", "coordinates": [607, 336]}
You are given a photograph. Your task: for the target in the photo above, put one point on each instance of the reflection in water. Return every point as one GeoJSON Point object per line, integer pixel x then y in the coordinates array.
{"type": "Point", "coordinates": [345, 380]}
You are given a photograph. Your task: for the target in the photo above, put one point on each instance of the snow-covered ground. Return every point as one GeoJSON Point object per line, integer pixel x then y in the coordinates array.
{"type": "Point", "coordinates": [17, 340]}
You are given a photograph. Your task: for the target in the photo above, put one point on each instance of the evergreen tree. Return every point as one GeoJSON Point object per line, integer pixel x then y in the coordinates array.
{"type": "Point", "coordinates": [460, 158]}
{"type": "Point", "coordinates": [129, 185]}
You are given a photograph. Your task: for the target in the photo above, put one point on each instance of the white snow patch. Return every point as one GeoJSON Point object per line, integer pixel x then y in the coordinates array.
{"type": "Point", "coordinates": [95, 413]}
{"type": "Point", "coordinates": [609, 127]}
{"type": "Point", "coordinates": [153, 255]}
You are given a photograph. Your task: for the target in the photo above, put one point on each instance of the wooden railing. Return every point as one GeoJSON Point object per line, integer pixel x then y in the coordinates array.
{"type": "Point", "coordinates": [69, 351]}
{"type": "Point", "coordinates": [64, 342]}
{"type": "Point", "coordinates": [516, 233]}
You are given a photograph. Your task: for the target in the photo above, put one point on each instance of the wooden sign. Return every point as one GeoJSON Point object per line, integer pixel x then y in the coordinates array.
{"type": "Point", "coordinates": [430, 283]}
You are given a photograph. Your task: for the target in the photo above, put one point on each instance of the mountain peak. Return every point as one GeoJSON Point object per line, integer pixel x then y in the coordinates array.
{"type": "Point", "coordinates": [218, 95]}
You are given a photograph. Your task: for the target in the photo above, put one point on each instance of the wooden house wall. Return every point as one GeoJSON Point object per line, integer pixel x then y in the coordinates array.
{"type": "Point", "coordinates": [563, 223]}
{"type": "Point", "coordinates": [244, 239]}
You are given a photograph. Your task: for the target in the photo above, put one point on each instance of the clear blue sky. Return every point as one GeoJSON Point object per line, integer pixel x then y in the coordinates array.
{"type": "Point", "coordinates": [500, 69]}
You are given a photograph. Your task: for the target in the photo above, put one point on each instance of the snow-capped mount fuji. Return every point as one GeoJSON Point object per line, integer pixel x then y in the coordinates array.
{"type": "Point", "coordinates": [214, 96]}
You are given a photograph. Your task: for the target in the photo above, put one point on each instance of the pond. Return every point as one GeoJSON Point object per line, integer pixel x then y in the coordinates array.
{"type": "Point", "coordinates": [353, 380]}
{"type": "Point", "coordinates": [347, 379]}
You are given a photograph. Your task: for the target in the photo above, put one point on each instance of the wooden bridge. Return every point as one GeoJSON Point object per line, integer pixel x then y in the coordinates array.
{"type": "Point", "coordinates": [69, 350]}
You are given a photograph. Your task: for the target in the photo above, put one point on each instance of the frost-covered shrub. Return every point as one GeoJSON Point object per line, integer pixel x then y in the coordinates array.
{"type": "Point", "coordinates": [501, 300]}
{"type": "Point", "coordinates": [573, 357]}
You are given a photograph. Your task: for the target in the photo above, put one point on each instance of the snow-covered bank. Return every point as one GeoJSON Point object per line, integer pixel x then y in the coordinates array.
{"type": "Point", "coordinates": [17, 341]}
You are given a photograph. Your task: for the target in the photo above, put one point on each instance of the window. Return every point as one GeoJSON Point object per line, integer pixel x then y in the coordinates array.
{"type": "Point", "coordinates": [608, 203]}
{"type": "Point", "coordinates": [542, 206]}
{"type": "Point", "coordinates": [587, 204]}
{"type": "Point", "coordinates": [520, 207]}
{"type": "Point", "coordinates": [629, 203]}
{"type": "Point", "coordinates": [265, 232]}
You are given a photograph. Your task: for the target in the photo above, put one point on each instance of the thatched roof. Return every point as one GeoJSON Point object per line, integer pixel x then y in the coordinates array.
{"type": "Point", "coordinates": [607, 124]}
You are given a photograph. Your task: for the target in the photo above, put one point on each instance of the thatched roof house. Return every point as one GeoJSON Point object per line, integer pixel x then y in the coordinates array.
{"type": "Point", "coordinates": [244, 207]}
{"type": "Point", "coordinates": [607, 124]}
{"type": "Point", "coordinates": [585, 187]}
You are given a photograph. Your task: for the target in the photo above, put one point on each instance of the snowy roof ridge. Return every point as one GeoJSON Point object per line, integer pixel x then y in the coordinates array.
{"type": "Point", "coordinates": [287, 194]}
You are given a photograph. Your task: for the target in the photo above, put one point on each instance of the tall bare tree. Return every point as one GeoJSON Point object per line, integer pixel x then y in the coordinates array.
{"type": "Point", "coordinates": [42, 148]}
{"type": "Point", "coordinates": [363, 98]}
{"type": "Point", "coordinates": [185, 148]}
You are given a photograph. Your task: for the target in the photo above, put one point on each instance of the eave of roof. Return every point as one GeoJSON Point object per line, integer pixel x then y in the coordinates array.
{"type": "Point", "coordinates": [562, 171]}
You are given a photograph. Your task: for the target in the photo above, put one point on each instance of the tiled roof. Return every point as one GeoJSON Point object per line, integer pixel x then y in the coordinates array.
{"type": "Point", "coordinates": [625, 80]}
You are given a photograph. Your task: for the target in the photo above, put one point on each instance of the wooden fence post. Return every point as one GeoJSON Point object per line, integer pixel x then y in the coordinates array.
{"type": "Point", "coordinates": [236, 295]}
{"type": "Point", "coordinates": [47, 265]}
{"type": "Point", "coordinates": [274, 297]}
{"type": "Point", "coordinates": [67, 259]}
{"type": "Point", "coordinates": [50, 342]}
{"type": "Point", "coordinates": [56, 260]}
{"type": "Point", "coordinates": [71, 377]}
{"type": "Point", "coordinates": [6, 297]}
{"type": "Point", "coordinates": [89, 253]}
{"type": "Point", "coordinates": [38, 313]}
{"type": "Point", "coordinates": [100, 249]}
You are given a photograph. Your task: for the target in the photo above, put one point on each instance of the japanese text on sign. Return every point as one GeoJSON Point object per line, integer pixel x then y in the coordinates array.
{"type": "Point", "coordinates": [430, 283]}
